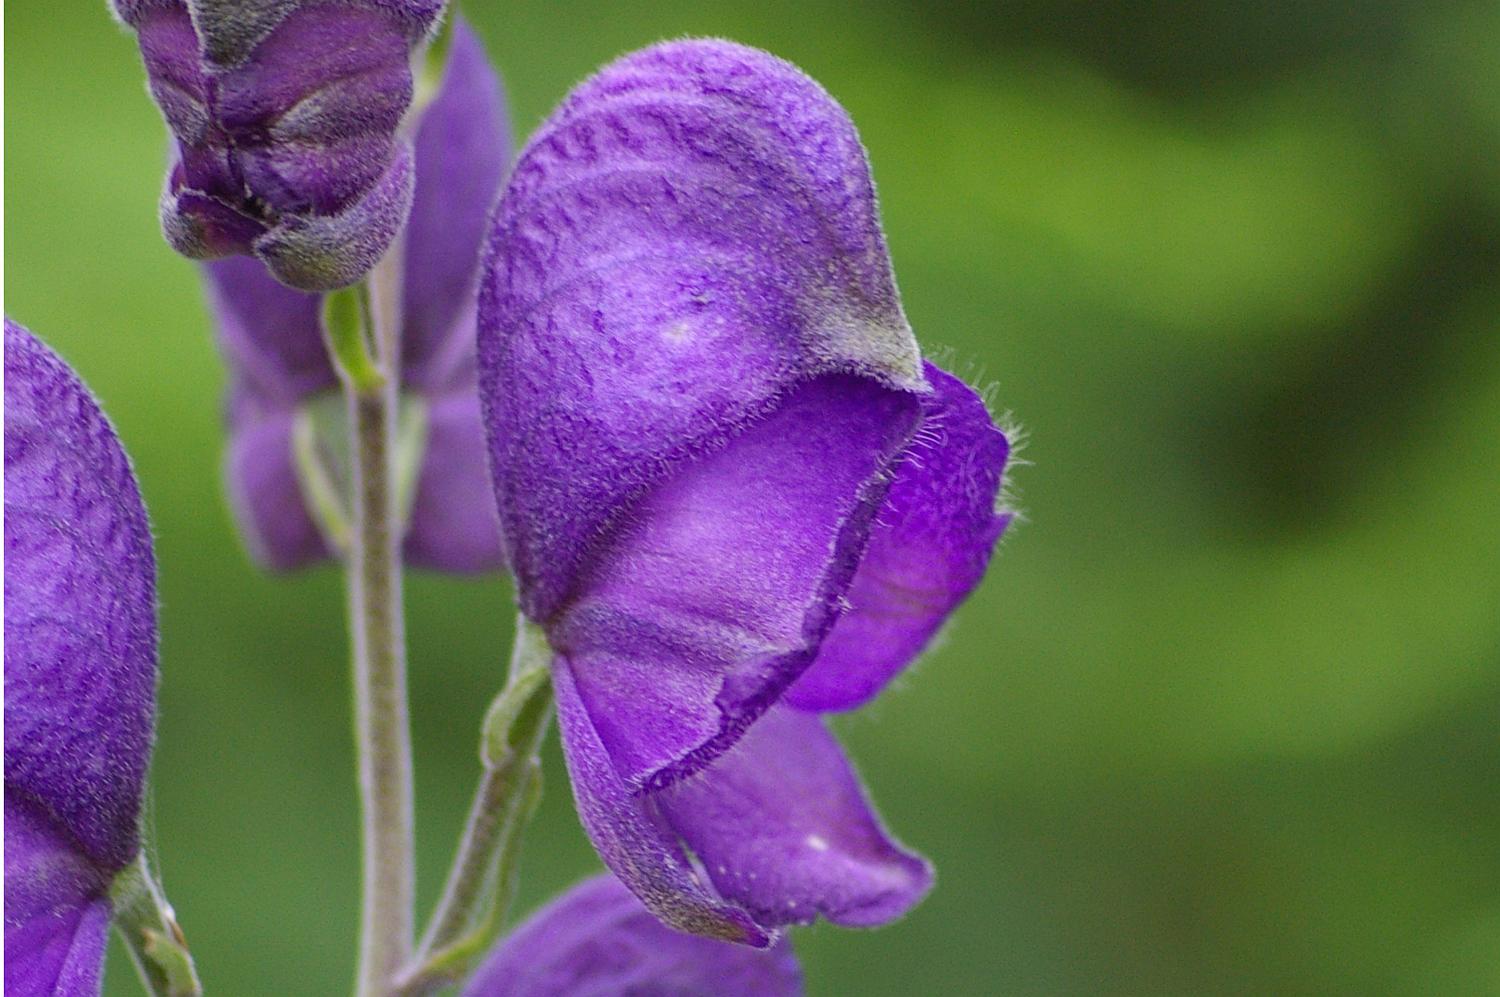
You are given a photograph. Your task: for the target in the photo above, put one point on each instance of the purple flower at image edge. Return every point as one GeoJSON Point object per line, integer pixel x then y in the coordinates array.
{"type": "Point", "coordinates": [80, 671]}
{"type": "Point", "coordinates": [270, 336]}
{"type": "Point", "coordinates": [598, 939]}
{"type": "Point", "coordinates": [733, 494]}
{"type": "Point", "coordinates": [285, 132]}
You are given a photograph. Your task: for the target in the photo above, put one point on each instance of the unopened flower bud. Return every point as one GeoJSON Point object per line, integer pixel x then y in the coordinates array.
{"type": "Point", "coordinates": [285, 117]}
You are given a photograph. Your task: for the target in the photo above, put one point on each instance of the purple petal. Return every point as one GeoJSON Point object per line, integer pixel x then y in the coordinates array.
{"type": "Point", "coordinates": [714, 593]}
{"type": "Point", "coordinates": [327, 71]}
{"type": "Point", "coordinates": [269, 333]}
{"type": "Point", "coordinates": [785, 831]}
{"type": "Point", "coordinates": [56, 911]}
{"type": "Point", "coordinates": [204, 226]}
{"type": "Point", "coordinates": [207, 224]}
{"type": "Point", "coordinates": [272, 343]}
{"type": "Point", "coordinates": [80, 608]}
{"type": "Point", "coordinates": [265, 494]}
{"type": "Point", "coordinates": [780, 825]}
{"type": "Point", "coordinates": [632, 837]}
{"type": "Point", "coordinates": [597, 939]}
{"type": "Point", "coordinates": [462, 148]}
{"type": "Point", "coordinates": [178, 81]}
{"type": "Point", "coordinates": [453, 525]}
{"type": "Point", "coordinates": [689, 237]}
{"type": "Point", "coordinates": [928, 549]}
{"type": "Point", "coordinates": [302, 178]}
{"type": "Point", "coordinates": [315, 252]}
{"type": "Point", "coordinates": [232, 29]}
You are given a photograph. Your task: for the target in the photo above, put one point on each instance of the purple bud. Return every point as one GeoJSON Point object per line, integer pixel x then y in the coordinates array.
{"type": "Point", "coordinates": [598, 939]}
{"type": "Point", "coordinates": [731, 491]}
{"type": "Point", "coordinates": [285, 115]}
{"type": "Point", "coordinates": [80, 670]}
{"type": "Point", "coordinates": [278, 363]}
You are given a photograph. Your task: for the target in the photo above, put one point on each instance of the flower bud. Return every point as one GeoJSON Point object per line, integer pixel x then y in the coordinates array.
{"type": "Point", "coordinates": [280, 373]}
{"type": "Point", "coordinates": [285, 117]}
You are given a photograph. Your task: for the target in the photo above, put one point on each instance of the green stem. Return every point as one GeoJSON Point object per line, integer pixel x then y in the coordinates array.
{"type": "Point", "coordinates": [149, 928]}
{"type": "Point", "coordinates": [482, 877]}
{"type": "Point", "coordinates": [377, 637]}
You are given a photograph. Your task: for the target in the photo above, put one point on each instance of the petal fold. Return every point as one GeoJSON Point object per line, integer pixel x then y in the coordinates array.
{"type": "Point", "coordinates": [285, 115]}
{"type": "Point", "coordinates": [598, 939]}
{"type": "Point", "coordinates": [713, 594]}
{"type": "Point", "coordinates": [778, 831]}
{"type": "Point", "coordinates": [318, 252]}
{"type": "Point", "coordinates": [928, 549]}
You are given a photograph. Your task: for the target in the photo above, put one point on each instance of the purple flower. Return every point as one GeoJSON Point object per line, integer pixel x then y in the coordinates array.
{"type": "Point", "coordinates": [598, 939]}
{"type": "Point", "coordinates": [80, 670]}
{"type": "Point", "coordinates": [285, 115]}
{"type": "Point", "coordinates": [279, 365]}
{"type": "Point", "coordinates": [731, 491]}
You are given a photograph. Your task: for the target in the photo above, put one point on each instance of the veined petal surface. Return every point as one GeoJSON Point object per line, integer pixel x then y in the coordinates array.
{"type": "Point", "coordinates": [690, 237]}
{"type": "Point", "coordinates": [80, 609]}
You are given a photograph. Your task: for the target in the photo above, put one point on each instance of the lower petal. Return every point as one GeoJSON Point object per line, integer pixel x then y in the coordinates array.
{"type": "Point", "coordinates": [632, 838]}
{"type": "Point", "coordinates": [598, 939]}
{"type": "Point", "coordinates": [270, 335]}
{"type": "Point", "coordinates": [928, 550]}
{"type": "Point", "coordinates": [56, 913]}
{"type": "Point", "coordinates": [784, 829]}
{"type": "Point", "coordinates": [266, 497]}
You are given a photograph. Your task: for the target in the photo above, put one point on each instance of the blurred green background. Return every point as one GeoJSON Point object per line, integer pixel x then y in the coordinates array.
{"type": "Point", "coordinates": [1225, 718]}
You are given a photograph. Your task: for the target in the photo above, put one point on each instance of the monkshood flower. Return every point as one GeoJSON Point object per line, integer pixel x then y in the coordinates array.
{"type": "Point", "coordinates": [598, 939]}
{"type": "Point", "coordinates": [80, 671]}
{"type": "Point", "coordinates": [284, 115]}
{"type": "Point", "coordinates": [271, 338]}
{"type": "Point", "coordinates": [732, 493]}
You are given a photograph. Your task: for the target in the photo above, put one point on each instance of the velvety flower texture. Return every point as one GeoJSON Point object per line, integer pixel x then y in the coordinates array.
{"type": "Point", "coordinates": [271, 338]}
{"type": "Point", "coordinates": [80, 671]}
{"type": "Point", "coordinates": [285, 115]}
{"type": "Point", "coordinates": [597, 940]}
{"type": "Point", "coordinates": [731, 491]}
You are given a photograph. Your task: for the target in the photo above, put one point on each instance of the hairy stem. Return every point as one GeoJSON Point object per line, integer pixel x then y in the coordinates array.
{"type": "Point", "coordinates": [377, 635]}
{"type": "Point", "coordinates": [381, 726]}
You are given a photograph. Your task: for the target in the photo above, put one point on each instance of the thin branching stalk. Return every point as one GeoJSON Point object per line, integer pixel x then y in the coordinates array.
{"type": "Point", "coordinates": [482, 878]}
